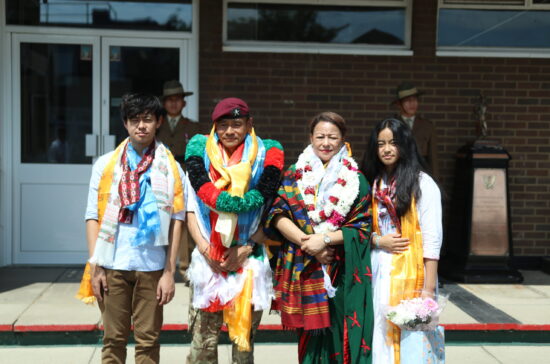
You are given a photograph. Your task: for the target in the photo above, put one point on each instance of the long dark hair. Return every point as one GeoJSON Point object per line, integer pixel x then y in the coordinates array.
{"type": "Point", "coordinates": [407, 168]}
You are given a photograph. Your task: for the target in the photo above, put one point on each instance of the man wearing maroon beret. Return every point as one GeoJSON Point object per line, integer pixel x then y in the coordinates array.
{"type": "Point", "coordinates": [232, 174]}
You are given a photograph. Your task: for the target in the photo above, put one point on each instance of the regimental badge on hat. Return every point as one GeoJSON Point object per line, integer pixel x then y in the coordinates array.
{"type": "Point", "coordinates": [236, 112]}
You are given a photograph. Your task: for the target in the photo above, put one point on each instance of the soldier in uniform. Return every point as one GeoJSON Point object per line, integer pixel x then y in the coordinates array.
{"type": "Point", "coordinates": [407, 100]}
{"type": "Point", "coordinates": [175, 132]}
{"type": "Point", "coordinates": [232, 174]}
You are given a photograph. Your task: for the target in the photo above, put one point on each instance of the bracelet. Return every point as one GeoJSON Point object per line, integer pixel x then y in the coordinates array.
{"type": "Point", "coordinates": [376, 239]}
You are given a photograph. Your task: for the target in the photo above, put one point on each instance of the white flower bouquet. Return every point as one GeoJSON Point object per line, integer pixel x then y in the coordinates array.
{"type": "Point", "coordinates": [417, 314]}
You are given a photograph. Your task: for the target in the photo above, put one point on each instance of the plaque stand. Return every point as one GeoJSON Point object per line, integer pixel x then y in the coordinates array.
{"type": "Point", "coordinates": [478, 243]}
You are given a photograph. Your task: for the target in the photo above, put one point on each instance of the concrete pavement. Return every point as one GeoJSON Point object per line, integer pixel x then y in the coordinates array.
{"type": "Point", "coordinates": [266, 354]}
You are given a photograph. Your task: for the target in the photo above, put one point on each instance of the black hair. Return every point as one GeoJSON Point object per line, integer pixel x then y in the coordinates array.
{"type": "Point", "coordinates": [134, 104]}
{"type": "Point", "coordinates": [330, 117]}
{"type": "Point", "coordinates": [408, 166]}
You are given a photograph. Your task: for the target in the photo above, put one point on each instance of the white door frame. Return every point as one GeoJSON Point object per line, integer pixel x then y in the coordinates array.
{"type": "Point", "coordinates": [9, 107]}
{"type": "Point", "coordinates": [32, 173]}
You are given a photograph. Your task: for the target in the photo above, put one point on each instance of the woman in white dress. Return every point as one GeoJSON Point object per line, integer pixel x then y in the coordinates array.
{"type": "Point", "coordinates": [407, 228]}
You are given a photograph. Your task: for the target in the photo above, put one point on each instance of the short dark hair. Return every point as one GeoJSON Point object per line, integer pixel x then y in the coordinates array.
{"type": "Point", "coordinates": [330, 117]}
{"type": "Point", "coordinates": [134, 104]}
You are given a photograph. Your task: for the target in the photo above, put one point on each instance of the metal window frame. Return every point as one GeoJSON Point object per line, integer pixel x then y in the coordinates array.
{"type": "Point", "coordinates": [527, 5]}
{"type": "Point", "coordinates": [322, 48]}
{"type": "Point", "coordinates": [496, 52]}
{"type": "Point", "coordinates": [90, 31]}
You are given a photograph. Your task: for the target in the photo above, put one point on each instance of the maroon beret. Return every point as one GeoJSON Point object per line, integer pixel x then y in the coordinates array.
{"type": "Point", "coordinates": [230, 108]}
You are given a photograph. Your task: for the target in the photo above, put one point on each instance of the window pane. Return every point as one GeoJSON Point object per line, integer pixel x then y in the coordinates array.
{"type": "Point", "coordinates": [318, 24]}
{"type": "Point", "coordinates": [56, 102]}
{"type": "Point", "coordinates": [494, 28]}
{"type": "Point", "coordinates": [136, 15]}
{"type": "Point", "coordinates": [138, 69]}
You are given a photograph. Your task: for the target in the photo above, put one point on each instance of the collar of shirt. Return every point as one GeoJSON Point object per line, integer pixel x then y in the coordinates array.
{"type": "Point", "coordinates": [173, 122]}
{"type": "Point", "coordinates": [409, 120]}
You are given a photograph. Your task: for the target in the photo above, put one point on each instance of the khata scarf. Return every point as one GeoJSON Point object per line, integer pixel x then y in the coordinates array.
{"type": "Point", "coordinates": [167, 189]}
{"type": "Point", "coordinates": [225, 198]}
{"type": "Point", "coordinates": [407, 275]}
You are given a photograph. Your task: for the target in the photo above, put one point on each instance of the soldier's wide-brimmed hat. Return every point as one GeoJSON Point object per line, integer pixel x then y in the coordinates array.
{"type": "Point", "coordinates": [174, 87]}
{"type": "Point", "coordinates": [404, 90]}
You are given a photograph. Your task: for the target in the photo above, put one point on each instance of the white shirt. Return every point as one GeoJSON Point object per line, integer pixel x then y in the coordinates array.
{"type": "Point", "coordinates": [144, 258]}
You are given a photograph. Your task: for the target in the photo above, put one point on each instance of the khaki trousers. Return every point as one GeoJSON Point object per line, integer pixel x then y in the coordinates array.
{"type": "Point", "coordinates": [131, 297]}
{"type": "Point", "coordinates": [206, 327]}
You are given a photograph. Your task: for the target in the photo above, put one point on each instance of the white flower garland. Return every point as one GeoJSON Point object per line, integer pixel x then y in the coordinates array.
{"type": "Point", "coordinates": [327, 214]}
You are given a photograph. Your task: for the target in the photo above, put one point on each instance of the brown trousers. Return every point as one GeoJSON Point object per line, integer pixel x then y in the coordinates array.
{"type": "Point", "coordinates": [131, 297]}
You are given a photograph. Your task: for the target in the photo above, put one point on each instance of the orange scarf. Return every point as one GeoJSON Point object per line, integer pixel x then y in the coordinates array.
{"type": "Point", "coordinates": [407, 275]}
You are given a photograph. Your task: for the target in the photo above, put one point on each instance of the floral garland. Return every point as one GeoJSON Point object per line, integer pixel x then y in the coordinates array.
{"type": "Point", "coordinates": [330, 215]}
{"type": "Point", "coordinates": [221, 200]}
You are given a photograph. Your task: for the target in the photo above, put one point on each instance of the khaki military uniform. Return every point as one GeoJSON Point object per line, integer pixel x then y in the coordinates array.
{"type": "Point", "coordinates": [205, 328]}
{"type": "Point", "coordinates": [426, 140]}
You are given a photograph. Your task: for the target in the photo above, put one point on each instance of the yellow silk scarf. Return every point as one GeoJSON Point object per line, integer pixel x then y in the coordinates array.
{"type": "Point", "coordinates": [407, 274]}
{"type": "Point", "coordinates": [85, 292]}
{"type": "Point", "coordinates": [233, 179]}
{"type": "Point", "coordinates": [238, 317]}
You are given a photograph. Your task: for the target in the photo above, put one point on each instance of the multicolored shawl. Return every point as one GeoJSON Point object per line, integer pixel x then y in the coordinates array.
{"type": "Point", "coordinates": [231, 192]}
{"type": "Point", "coordinates": [300, 295]}
{"type": "Point", "coordinates": [407, 275]}
{"type": "Point", "coordinates": [167, 190]}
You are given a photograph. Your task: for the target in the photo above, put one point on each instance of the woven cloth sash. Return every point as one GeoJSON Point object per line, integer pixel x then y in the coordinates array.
{"type": "Point", "coordinates": [407, 275]}
{"type": "Point", "coordinates": [128, 188]}
{"type": "Point", "coordinates": [169, 199]}
{"type": "Point", "coordinates": [387, 196]}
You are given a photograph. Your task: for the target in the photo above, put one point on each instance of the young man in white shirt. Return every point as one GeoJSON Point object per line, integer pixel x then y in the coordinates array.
{"type": "Point", "coordinates": [133, 224]}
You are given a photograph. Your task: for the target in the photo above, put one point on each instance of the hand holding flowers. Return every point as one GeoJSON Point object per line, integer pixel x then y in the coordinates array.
{"type": "Point", "coordinates": [417, 314]}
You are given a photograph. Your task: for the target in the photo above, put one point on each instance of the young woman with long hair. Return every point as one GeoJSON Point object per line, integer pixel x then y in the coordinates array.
{"type": "Point", "coordinates": [407, 228]}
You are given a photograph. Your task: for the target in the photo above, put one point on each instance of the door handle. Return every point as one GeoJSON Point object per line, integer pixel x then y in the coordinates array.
{"type": "Point", "coordinates": [108, 143]}
{"type": "Point", "coordinates": [91, 145]}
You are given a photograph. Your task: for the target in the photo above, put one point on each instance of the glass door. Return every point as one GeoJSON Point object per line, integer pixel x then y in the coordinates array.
{"type": "Point", "coordinates": [135, 65]}
{"type": "Point", "coordinates": [56, 103]}
{"type": "Point", "coordinates": [67, 94]}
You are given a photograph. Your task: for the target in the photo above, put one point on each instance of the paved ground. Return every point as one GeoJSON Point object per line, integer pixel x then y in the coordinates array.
{"type": "Point", "coordinates": [267, 354]}
{"type": "Point", "coordinates": [40, 301]}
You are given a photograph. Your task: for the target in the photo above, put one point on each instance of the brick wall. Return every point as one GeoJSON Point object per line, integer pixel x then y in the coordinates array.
{"type": "Point", "coordinates": [285, 90]}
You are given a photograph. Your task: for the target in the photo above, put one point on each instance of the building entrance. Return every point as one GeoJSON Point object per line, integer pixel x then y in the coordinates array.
{"type": "Point", "coordinates": [66, 97]}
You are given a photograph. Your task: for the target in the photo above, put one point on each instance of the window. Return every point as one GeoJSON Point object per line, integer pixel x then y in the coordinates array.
{"type": "Point", "coordinates": [507, 27]}
{"type": "Point", "coordinates": [134, 15]}
{"type": "Point", "coordinates": [357, 26]}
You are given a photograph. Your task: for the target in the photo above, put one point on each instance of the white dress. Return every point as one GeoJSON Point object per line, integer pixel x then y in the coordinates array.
{"type": "Point", "coordinates": [429, 214]}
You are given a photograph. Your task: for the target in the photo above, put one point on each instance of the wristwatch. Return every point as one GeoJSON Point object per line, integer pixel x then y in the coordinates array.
{"type": "Point", "coordinates": [326, 239]}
